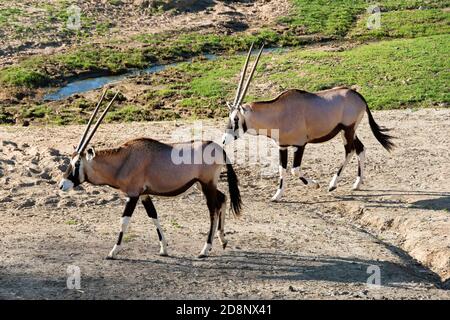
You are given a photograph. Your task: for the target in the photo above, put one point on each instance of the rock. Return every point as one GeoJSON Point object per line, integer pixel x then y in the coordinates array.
{"type": "Point", "coordinates": [27, 204]}
{"type": "Point", "coordinates": [10, 143]}
{"type": "Point", "coordinates": [6, 199]}
{"type": "Point", "coordinates": [54, 152]}
{"type": "Point", "coordinates": [45, 176]}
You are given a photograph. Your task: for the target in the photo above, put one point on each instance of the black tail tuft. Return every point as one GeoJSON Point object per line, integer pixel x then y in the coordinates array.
{"type": "Point", "coordinates": [379, 132]}
{"type": "Point", "coordinates": [233, 188]}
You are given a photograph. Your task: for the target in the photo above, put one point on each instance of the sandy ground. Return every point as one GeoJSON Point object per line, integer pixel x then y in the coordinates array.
{"type": "Point", "coordinates": [313, 244]}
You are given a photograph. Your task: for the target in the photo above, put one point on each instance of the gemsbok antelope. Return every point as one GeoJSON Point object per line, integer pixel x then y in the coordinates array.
{"type": "Point", "coordinates": [297, 118]}
{"type": "Point", "coordinates": [143, 167]}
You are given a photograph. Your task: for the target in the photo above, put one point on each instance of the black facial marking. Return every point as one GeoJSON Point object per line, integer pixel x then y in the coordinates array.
{"type": "Point", "coordinates": [244, 126]}
{"type": "Point", "coordinates": [73, 173]}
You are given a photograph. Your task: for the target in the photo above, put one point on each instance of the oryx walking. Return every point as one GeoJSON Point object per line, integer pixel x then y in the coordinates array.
{"type": "Point", "coordinates": [301, 117]}
{"type": "Point", "coordinates": [143, 167]}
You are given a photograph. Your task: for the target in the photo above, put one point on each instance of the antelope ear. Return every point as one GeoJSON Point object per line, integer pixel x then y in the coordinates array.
{"type": "Point", "coordinates": [90, 154]}
{"type": "Point", "coordinates": [244, 109]}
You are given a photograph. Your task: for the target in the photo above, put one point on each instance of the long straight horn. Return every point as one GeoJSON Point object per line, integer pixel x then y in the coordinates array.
{"type": "Point", "coordinates": [90, 121]}
{"type": "Point", "coordinates": [88, 139]}
{"type": "Point", "coordinates": [250, 77]}
{"type": "Point", "coordinates": [243, 72]}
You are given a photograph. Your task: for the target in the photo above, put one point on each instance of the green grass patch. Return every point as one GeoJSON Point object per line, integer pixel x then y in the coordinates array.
{"type": "Point", "coordinates": [33, 112]}
{"type": "Point", "coordinates": [330, 17]}
{"type": "Point", "coordinates": [175, 224]}
{"type": "Point", "coordinates": [9, 15]}
{"type": "Point", "coordinates": [172, 47]}
{"type": "Point", "coordinates": [24, 76]}
{"type": "Point", "coordinates": [390, 74]}
{"type": "Point", "coordinates": [336, 17]}
{"type": "Point", "coordinates": [71, 222]}
{"type": "Point", "coordinates": [405, 24]}
{"type": "Point", "coordinates": [129, 237]}
{"type": "Point", "coordinates": [38, 71]}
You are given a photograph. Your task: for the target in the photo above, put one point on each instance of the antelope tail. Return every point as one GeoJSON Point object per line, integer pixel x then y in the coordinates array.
{"type": "Point", "coordinates": [379, 132]}
{"type": "Point", "coordinates": [233, 188]}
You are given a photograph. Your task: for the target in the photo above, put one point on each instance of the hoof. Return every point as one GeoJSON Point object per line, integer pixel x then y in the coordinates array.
{"type": "Point", "coordinates": [331, 189]}
{"type": "Point", "coordinates": [163, 254]}
{"type": "Point", "coordinates": [357, 186]}
{"type": "Point", "coordinates": [110, 258]}
{"type": "Point", "coordinates": [202, 256]}
{"type": "Point", "coordinates": [275, 199]}
{"type": "Point", "coordinates": [224, 245]}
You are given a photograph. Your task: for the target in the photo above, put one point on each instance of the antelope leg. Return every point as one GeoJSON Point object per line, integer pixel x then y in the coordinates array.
{"type": "Point", "coordinates": [124, 221]}
{"type": "Point", "coordinates": [282, 171]}
{"type": "Point", "coordinates": [296, 172]}
{"type": "Point", "coordinates": [151, 212]}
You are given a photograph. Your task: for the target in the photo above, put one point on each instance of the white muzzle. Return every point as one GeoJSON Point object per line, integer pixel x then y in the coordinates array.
{"type": "Point", "coordinates": [65, 185]}
{"type": "Point", "coordinates": [227, 138]}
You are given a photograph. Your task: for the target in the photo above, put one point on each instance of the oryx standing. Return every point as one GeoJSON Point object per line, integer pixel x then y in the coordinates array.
{"type": "Point", "coordinates": [144, 167]}
{"type": "Point", "coordinates": [302, 117]}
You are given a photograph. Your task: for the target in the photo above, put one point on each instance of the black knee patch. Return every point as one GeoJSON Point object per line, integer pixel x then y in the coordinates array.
{"type": "Point", "coordinates": [159, 234]}
{"type": "Point", "coordinates": [349, 147]}
{"type": "Point", "coordinates": [129, 207]}
{"type": "Point", "coordinates": [149, 207]}
{"type": "Point", "coordinates": [359, 147]}
{"type": "Point", "coordinates": [298, 155]}
{"type": "Point", "coordinates": [220, 199]}
{"type": "Point", "coordinates": [283, 158]}
{"type": "Point", "coordinates": [119, 240]}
